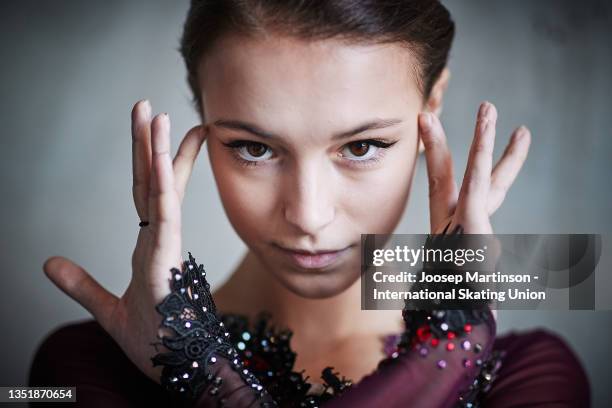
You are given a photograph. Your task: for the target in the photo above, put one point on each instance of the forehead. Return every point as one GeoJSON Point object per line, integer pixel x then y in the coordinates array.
{"type": "Point", "coordinates": [284, 81]}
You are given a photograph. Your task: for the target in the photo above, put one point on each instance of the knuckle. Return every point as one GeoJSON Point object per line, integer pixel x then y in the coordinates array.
{"type": "Point", "coordinates": [161, 153]}
{"type": "Point", "coordinates": [432, 142]}
{"type": "Point", "coordinates": [437, 185]}
{"type": "Point", "coordinates": [434, 183]}
{"type": "Point", "coordinates": [481, 147]}
{"type": "Point", "coordinates": [473, 183]}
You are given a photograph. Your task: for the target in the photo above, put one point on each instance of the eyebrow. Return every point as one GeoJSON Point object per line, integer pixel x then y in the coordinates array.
{"type": "Point", "coordinates": [255, 130]}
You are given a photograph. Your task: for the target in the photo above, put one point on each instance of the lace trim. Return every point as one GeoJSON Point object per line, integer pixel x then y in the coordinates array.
{"type": "Point", "coordinates": [266, 350]}
{"type": "Point", "coordinates": [262, 355]}
{"type": "Point", "coordinates": [198, 338]}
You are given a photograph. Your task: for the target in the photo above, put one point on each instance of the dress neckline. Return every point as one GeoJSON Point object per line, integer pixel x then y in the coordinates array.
{"type": "Point", "coordinates": [254, 338]}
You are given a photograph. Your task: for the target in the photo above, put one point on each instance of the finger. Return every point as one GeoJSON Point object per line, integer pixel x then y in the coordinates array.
{"type": "Point", "coordinates": [508, 167]}
{"type": "Point", "coordinates": [164, 207]}
{"type": "Point", "coordinates": [80, 286]}
{"type": "Point", "coordinates": [442, 186]}
{"type": "Point", "coordinates": [141, 156]}
{"type": "Point", "coordinates": [477, 178]}
{"type": "Point", "coordinates": [185, 158]}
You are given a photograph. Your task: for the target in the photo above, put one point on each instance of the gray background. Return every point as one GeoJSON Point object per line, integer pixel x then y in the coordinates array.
{"type": "Point", "coordinates": [72, 70]}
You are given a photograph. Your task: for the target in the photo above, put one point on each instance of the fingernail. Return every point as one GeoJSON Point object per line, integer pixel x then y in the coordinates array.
{"type": "Point", "coordinates": [520, 133]}
{"type": "Point", "coordinates": [484, 109]}
{"type": "Point", "coordinates": [147, 109]}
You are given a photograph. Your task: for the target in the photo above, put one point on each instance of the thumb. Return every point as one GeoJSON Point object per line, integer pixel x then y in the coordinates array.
{"type": "Point", "coordinates": [74, 281]}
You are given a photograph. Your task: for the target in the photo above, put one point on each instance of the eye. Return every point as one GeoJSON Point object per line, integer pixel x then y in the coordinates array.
{"type": "Point", "coordinates": [362, 150]}
{"type": "Point", "coordinates": [250, 151]}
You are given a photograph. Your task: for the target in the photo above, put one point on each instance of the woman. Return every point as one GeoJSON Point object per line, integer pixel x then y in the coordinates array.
{"type": "Point", "coordinates": [313, 113]}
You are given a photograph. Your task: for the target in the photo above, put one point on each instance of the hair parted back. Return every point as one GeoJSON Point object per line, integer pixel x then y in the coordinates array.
{"type": "Point", "coordinates": [423, 26]}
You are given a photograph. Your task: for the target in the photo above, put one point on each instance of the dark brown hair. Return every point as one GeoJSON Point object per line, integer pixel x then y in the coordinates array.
{"type": "Point", "coordinates": [423, 26]}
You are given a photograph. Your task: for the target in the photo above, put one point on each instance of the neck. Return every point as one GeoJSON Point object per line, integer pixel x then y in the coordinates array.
{"type": "Point", "coordinates": [252, 288]}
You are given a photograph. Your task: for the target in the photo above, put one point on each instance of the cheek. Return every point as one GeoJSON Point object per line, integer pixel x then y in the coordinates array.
{"type": "Point", "coordinates": [377, 200]}
{"type": "Point", "coordinates": [248, 200]}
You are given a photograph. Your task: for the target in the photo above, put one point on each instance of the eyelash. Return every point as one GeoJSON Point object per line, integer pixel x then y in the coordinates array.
{"type": "Point", "coordinates": [380, 144]}
{"type": "Point", "coordinates": [235, 145]}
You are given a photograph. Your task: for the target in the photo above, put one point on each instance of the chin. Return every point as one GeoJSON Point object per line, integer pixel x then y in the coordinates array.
{"type": "Point", "coordinates": [318, 284]}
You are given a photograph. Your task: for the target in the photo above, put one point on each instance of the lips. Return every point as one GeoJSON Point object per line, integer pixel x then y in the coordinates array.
{"type": "Point", "coordinates": [313, 259]}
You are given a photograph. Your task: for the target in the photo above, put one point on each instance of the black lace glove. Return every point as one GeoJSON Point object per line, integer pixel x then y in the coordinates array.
{"type": "Point", "coordinates": [201, 367]}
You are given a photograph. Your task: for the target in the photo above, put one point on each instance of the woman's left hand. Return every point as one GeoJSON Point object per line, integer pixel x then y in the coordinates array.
{"type": "Point", "coordinates": [484, 187]}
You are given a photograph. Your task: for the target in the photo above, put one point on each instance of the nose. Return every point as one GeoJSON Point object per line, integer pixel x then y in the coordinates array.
{"type": "Point", "coordinates": [309, 204]}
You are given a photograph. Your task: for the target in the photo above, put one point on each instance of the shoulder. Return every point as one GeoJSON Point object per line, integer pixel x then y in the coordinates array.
{"type": "Point", "coordinates": [538, 367]}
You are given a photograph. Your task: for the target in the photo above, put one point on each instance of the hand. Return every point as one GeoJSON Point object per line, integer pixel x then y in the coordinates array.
{"type": "Point", "coordinates": [483, 190]}
{"type": "Point", "coordinates": [158, 189]}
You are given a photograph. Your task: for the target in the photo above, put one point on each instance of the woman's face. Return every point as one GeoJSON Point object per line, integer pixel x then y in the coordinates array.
{"type": "Point", "coordinates": [311, 144]}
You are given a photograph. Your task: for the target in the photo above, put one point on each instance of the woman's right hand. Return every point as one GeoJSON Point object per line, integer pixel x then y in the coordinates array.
{"type": "Point", "coordinates": [158, 188]}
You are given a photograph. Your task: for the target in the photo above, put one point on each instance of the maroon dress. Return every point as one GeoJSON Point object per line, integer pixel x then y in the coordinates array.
{"type": "Point", "coordinates": [537, 369]}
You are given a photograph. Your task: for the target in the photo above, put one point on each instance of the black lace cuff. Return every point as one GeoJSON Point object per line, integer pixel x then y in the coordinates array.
{"type": "Point", "coordinates": [196, 367]}
{"type": "Point", "coordinates": [429, 327]}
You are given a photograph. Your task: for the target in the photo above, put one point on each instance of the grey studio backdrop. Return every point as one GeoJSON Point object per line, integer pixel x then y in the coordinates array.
{"type": "Point", "coordinates": [71, 71]}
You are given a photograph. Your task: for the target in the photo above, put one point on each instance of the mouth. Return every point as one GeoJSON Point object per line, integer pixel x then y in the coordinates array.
{"type": "Point", "coordinates": [312, 259]}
